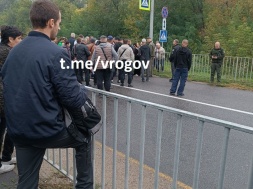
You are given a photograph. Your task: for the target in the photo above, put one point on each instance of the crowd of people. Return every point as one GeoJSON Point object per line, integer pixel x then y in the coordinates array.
{"type": "Point", "coordinates": [115, 48]}
{"type": "Point", "coordinates": [124, 50]}
{"type": "Point", "coordinates": [32, 108]}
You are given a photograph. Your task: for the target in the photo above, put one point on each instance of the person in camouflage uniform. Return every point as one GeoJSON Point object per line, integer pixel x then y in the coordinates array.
{"type": "Point", "coordinates": [217, 55]}
{"type": "Point", "coordinates": [10, 37]}
{"type": "Point", "coordinates": [152, 52]}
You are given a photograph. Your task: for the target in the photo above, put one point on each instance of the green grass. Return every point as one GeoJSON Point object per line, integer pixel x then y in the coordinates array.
{"type": "Point", "coordinates": [205, 77]}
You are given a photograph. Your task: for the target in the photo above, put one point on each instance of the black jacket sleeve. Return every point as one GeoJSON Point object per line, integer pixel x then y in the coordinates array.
{"type": "Point", "coordinates": [87, 52]}
{"type": "Point", "coordinates": [189, 60]}
{"type": "Point", "coordinates": [69, 92]}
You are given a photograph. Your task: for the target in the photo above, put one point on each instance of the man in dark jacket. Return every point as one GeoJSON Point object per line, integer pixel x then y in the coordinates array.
{"type": "Point", "coordinates": [145, 56]}
{"type": "Point", "coordinates": [175, 47]}
{"type": "Point", "coordinates": [35, 90]}
{"type": "Point", "coordinates": [10, 36]}
{"type": "Point", "coordinates": [72, 40]}
{"type": "Point", "coordinates": [183, 61]}
{"type": "Point", "coordinates": [82, 53]}
{"type": "Point", "coordinates": [217, 55]}
{"type": "Point", "coordinates": [117, 45]}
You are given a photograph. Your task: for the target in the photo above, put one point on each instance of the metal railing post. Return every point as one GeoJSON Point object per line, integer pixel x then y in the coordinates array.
{"type": "Point", "coordinates": [177, 151]}
{"type": "Point", "coordinates": [129, 108]}
{"type": "Point", "coordinates": [142, 145]}
{"type": "Point", "coordinates": [251, 176]}
{"type": "Point", "coordinates": [103, 142]}
{"type": "Point", "coordinates": [60, 159]}
{"type": "Point", "coordinates": [67, 162]}
{"type": "Point", "coordinates": [237, 61]}
{"type": "Point", "coordinates": [93, 99]}
{"type": "Point", "coordinates": [198, 155]}
{"type": "Point", "coordinates": [223, 159]}
{"type": "Point", "coordinates": [158, 147]}
{"type": "Point", "coordinates": [74, 168]}
{"type": "Point", "coordinates": [115, 131]}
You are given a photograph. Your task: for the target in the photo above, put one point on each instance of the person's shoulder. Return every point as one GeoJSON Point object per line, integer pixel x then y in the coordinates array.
{"type": "Point", "coordinates": [86, 46]}
{"type": "Point", "coordinates": [41, 44]}
{"type": "Point", "coordinates": [109, 44]}
{"type": "Point", "coordinates": [97, 46]}
{"type": "Point", "coordinates": [130, 48]}
{"type": "Point", "coordinates": [177, 47]}
{"type": "Point", "coordinates": [4, 48]}
{"type": "Point", "coordinates": [89, 45]}
{"type": "Point", "coordinates": [189, 50]}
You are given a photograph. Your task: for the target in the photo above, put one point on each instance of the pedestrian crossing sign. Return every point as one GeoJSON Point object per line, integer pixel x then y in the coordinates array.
{"type": "Point", "coordinates": [163, 36]}
{"type": "Point", "coordinates": [144, 5]}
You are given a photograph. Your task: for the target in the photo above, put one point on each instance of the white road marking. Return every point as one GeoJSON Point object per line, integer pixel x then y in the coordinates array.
{"type": "Point", "coordinates": [193, 101]}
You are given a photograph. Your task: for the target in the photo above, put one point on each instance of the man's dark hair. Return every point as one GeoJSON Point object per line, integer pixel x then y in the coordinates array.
{"type": "Point", "coordinates": [42, 11]}
{"type": "Point", "coordinates": [92, 40]}
{"type": "Point", "coordinates": [9, 31]}
{"type": "Point", "coordinates": [81, 36]}
{"type": "Point", "coordinates": [117, 38]}
{"type": "Point", "coordinates": [125, 41]}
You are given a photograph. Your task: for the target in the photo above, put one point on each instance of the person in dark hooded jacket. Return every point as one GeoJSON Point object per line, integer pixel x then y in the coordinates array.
{"type": "Point", "coordinates": [183, 61]}
{"type": "Point", "coordinates": [10, 36]}
{"type": "Point", "coordinates": [176, 46]}
{"type": "Point", "coordinates": [145, 55]}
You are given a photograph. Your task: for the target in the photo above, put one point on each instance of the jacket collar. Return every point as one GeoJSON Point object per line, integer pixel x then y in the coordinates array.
{"type": "Point", "coordinates": [38, 34]}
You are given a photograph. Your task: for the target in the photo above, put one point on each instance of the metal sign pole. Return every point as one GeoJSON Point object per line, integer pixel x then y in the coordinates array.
{"type": "Point", "coordinates": [151, 27]}
{"type": "Point", "coordinates": [163, 33]}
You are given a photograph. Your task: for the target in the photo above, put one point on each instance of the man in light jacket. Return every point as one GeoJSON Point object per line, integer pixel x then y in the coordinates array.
{"type": "Point", "coordinates": [159, 57]}
{"type": "Point", "coordinates": [126, 55]}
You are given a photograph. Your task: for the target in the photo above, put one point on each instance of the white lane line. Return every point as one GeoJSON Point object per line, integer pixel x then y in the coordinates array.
{"type": "Point", "coordinates": [183, 99]}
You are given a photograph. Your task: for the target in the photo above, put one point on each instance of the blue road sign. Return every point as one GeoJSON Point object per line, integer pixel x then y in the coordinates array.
{"type": "Point", "coordinates": [165, 12]}
{"type": "Point", "coordinates": [163, 36]}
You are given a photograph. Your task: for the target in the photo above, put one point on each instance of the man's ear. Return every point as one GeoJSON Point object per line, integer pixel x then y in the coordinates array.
{"type": "Point", "coordinates": [50, 23]}
{"type": "Point", "coordinates": [11, 39]}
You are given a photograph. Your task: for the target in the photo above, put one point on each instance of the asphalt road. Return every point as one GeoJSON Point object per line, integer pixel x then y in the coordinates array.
{"type": "Point", "coordinates": [217, 102]}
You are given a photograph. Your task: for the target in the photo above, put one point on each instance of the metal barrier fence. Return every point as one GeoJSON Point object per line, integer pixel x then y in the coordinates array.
{"type": "Point", "coordinates": [106, 100]}
{"type": "Point", "coordinates": [233, 68]}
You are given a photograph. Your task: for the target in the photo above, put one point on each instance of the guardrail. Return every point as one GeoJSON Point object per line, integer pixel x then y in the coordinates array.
{"type": "Point", "coordinates": [233, 68]}
{"type": "Point", "coordinates": [114, 99]}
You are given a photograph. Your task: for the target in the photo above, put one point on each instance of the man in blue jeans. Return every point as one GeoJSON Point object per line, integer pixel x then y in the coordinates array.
{"type": "Point", "coordinates": [183, 61]}
{"type": "Point", "coordinates": [36, 88]}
